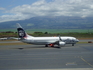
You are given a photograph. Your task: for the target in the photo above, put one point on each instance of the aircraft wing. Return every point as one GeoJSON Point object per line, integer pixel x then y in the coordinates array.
{"type": "Point", "coordinates": [53, 42]}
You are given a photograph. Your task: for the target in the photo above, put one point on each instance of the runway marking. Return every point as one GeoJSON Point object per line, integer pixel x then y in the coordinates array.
{"type": "Point", "coordinates": [71, 64]}
{"type": "Point", "coordinates": [60, 69]}
{"type": "Point", "coordinates": [86, 62]}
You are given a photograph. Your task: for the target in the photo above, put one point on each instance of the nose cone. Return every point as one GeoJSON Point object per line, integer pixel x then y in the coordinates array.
{"type": "Point", "coordinates": [77, 40]}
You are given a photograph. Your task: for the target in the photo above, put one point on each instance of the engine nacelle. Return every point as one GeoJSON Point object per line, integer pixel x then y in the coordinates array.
{"type": "Point", "coordinates": [62, 43]}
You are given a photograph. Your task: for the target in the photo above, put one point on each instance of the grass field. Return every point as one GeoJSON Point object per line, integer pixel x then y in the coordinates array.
{"type": "Point", "coordinates": [51, 30]}
{"type": "Point", "coordinates": [59, 30]}
{"type": "Point", "coordinates": [86, 33]}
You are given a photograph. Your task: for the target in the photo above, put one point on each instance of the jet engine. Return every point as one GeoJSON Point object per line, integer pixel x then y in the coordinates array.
{"type": "Point", "coordinates": [62, 43]}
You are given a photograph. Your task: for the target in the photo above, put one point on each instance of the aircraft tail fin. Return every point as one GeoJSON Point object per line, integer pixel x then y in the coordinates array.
{"type": "Point", "coordinates": [21, 32]}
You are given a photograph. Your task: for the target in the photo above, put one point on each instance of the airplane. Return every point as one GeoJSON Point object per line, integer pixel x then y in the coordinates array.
{"type": "Point", "coordinates": [47, 41]}
{"type": "Point", "coordinates": [9, 38]}
{"type": "Point", "coordinates": [3, 38]}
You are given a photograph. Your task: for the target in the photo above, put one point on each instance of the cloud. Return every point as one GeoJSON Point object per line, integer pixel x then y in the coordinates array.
{"type": "Point", "coordinates": [2, 8]}
{"type": "Point", "coordinates": [81, 8]}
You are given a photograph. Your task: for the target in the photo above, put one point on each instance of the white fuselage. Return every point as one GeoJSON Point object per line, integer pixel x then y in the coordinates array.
{"type": "Point", "coordinates": [60, 41]}
{"type": "Point", "coordinates": [49, 40]}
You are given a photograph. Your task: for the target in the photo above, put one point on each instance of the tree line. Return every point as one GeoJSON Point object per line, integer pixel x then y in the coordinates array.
{"type": "Point", "coordinates": [74, 34]}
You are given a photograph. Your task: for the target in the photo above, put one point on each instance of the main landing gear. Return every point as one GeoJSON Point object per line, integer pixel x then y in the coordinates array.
{"type": "Point", "coordinates": [46, 45]}
{"type": "Point", "coordinates": [51, 45]}
{"type": "Point", "coordinates": [72, 44]}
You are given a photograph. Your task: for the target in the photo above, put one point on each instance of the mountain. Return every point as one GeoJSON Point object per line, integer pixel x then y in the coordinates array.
{"type": "Point", "coordinates": [62, 22]}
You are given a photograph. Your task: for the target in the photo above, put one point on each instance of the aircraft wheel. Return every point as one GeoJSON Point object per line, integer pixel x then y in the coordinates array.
{"type": "Point", "coordinates": [72, 44]}
{"type": "Point", "coordinates": [59, 46]}
{"type": "Point", "coordinates": [46, 45]}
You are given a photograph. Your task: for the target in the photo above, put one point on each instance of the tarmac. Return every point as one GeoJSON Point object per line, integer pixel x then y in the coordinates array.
{"type": "Point", "coordinates": [38, 57]}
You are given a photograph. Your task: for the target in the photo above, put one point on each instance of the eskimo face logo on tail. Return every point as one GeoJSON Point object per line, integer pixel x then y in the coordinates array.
{"type": "Point", "coordinates": [21, 33]}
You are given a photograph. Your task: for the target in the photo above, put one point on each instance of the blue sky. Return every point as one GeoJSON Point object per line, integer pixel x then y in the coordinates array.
{"type": "Point", "coordinates": [13, 3]}
{"type": "Point", "coordinates": [13, 10]}
{"type": "Point", "coordinates": [8, 4]}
